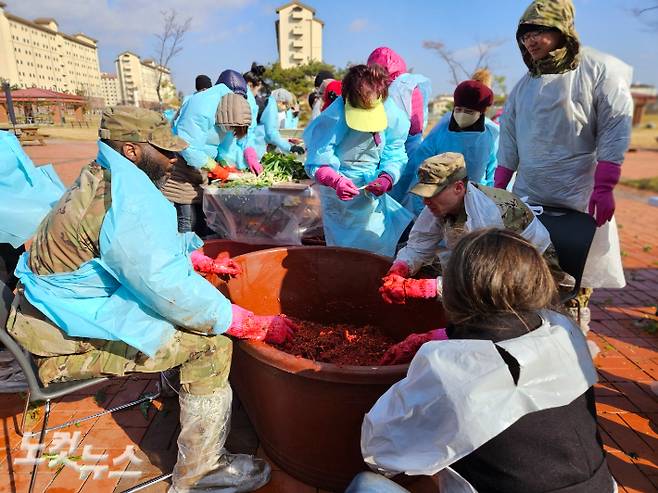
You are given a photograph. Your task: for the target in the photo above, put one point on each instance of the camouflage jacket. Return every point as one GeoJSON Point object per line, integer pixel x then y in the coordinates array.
{"type": "Point", "coordinates": [66, 238]}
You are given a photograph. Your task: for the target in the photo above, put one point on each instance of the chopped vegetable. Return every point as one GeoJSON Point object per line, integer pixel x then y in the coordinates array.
{"type": "Point", "coordinates": [277, 168]}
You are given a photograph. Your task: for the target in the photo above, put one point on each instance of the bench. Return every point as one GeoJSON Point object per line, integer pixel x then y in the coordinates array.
{"type": "Point", "coordinates": [31, 134]}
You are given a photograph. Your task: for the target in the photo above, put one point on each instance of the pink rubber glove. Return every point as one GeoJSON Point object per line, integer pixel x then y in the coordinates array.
{"type": "Point", "coordinates": [417, 112]}
{"type": "Point", "coordinates": [602, 201]}
{"type": "Point", "coordinates": [399, 267]}
{"type": "Point", "coordinates": [345, 189]}
{"type": "Point", "coordinates": [502, 176]}
{"type": "Point", "coordinates": [273, 329]}
{"type": "Point", "coordinates": [251, 157]}
{"type": "Point", "coordinates": [222, 265]}
{"type": "Point", "coordinates": [396, 289]}
{"type": "Point", "coordinates": [403, 352]}
{"type": "Point", "coordinates": [380, 185]}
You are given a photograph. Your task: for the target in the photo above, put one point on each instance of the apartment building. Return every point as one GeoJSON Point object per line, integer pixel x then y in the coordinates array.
{"type": "Point", "coordinates": [36, 54]}
{"type": "Point", "coordinates": [138, 80]}
{"type": "Point", "coordinates": [110, 89]}
{"type": "Point", "coordinates": [298, 34]}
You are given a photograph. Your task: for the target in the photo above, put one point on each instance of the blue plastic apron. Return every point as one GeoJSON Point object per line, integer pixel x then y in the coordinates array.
{"type": "Point", "coordinates": [27, 193]}
{"type": "Point", "coordinates": [143, 283]}
{"type": "Point", "coordinates": [367, 222]}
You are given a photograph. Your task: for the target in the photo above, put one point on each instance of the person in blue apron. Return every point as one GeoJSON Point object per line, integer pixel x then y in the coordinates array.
{"type": "Point", "coordinates": [355, 151]}
{"type": "Point", "coordinates": [211, 145]}
{"type": "Point", "coordinates": [108, 288]}
{"type": "Point", "coordinates": [274, 109]}
{"type": "Point", "coordinates": [506, 404]}
{"type": "Point", "coordinates": [27, 193]}
{"type": "Point", "coordinates": [466, 130]}
{"type": "Point", "coordinates": [412, 93]}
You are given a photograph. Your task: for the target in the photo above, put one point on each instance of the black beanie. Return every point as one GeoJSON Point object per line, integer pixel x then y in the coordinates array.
{"type": "Point", "coordinates": [202, 82]}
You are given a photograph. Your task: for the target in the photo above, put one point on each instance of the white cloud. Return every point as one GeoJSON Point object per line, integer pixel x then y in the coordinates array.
{"type": "Point", "coordinates": [122, 23]}
{"type": "Point", "coordinates": [359, 25]}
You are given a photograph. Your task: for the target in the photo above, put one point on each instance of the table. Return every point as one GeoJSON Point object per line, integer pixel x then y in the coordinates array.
{"type": "Point", "coordinates": [27, 133]}
{"type": "Point", "coordinates": [286, 214]}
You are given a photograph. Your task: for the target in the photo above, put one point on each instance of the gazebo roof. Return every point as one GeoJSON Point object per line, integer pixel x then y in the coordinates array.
{"type": "Point", "coordinates": [35, 94]}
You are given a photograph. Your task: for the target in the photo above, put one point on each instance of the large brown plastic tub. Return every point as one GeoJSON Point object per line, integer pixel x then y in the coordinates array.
{"type": "Point", "coordinates": [308, 415]}
{"type": "Point", "coordinates": [212, 248]}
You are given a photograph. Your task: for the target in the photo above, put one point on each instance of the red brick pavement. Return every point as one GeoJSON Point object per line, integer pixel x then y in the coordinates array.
{"type": "Point", "coordinates": [624, 326]}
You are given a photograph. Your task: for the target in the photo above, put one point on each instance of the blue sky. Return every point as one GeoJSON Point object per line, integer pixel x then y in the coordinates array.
{"type": "Point", "coordinates": [233, 33]}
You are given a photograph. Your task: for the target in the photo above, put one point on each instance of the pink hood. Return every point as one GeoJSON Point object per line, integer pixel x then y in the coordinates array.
{"type": "Point", "coordinates": [391, 61]}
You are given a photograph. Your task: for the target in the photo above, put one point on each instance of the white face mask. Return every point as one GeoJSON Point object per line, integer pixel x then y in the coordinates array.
{"type": "Point", "coordinates": [465, 120]}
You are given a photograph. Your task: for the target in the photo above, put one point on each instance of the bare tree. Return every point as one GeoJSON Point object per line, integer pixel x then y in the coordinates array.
{"type": "Point", "coordinates": [457, 69]}
{"type": "Point", "coordinates": [169, 43]}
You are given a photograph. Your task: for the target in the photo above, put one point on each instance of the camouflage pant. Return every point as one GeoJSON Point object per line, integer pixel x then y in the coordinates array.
{"type": "Point", "coordinates": [204, 360]}
{"type": "Point", "coordinates": [581, 300]}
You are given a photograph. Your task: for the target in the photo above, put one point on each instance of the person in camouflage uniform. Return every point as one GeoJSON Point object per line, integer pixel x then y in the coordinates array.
{"type": "Point", "coordinates": [68, 238]}
{"type": "Point", "coordinates": [445, 188]}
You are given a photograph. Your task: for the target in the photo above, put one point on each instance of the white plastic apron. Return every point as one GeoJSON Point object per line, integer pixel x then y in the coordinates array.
{"type": "Point", "coordinates": [367, 222]}
{"type": "Point", "coordinates": [481, 213]}
{"type": "Point", "coordinates": [468, 385]}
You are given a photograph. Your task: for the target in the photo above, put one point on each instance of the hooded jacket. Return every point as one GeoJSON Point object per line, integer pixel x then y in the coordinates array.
{"type": "Point", "coordinates": [557, 14]}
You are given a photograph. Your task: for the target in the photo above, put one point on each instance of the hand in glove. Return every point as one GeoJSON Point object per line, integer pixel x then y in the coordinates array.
{"type": "Point", "coordinates": [403, 352]}
{"type": "Point", "coordinates": [602, 201]}
{"type": "Point", "coordinates": [251, 157]}
{"type": "Point", "coordinates": [397, 289]}
{"type": "Point", "coordinates": [222, 265]}
{"type": "Point", "coordinates": [345, 189]}
{"type": "Point", "coordinates": [297, 149]}
{"type": "Point", "coordinates": [220, 172]}
{"type": "Point", "coordinates": [380, 185]}
{"type": "Point", "coordinates": [502, 176]}
{"type": "Point", "coordinates": [273, 329]}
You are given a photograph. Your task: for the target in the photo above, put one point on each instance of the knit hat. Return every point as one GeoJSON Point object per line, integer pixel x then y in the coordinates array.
{"type": "Point", "coordinates": [473, 95]}
{"type": "Point", "coordinates": [322, 75]}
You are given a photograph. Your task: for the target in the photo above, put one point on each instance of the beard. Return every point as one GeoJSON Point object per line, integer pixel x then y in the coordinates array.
{"type": "Point", "coordinates": [153, 170]}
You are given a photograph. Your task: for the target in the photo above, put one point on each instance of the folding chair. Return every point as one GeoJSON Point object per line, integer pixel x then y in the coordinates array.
{"type": "Point", "coordinates": [38, 392]}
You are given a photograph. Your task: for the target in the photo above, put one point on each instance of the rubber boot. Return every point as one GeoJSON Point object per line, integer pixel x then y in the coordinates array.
{"type": "Point", "coordinates": [203, 464]}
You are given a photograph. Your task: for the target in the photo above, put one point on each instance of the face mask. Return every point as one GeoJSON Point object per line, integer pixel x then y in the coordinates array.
{"type": "Point", "coordinates": [465, 120]}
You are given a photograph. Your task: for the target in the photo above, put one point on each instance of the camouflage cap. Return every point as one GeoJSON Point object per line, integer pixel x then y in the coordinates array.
{"type": "Point", "coordinates": [437, 172]}
{"type": "Point", "coordinates": [132, 124]}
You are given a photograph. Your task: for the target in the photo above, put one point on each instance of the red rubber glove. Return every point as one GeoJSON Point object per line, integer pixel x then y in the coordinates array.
{"type": "Point", "coordinates": [502, 176]}
{"type": "Point", "coordinates": [220, 172]}
{"type": "Point", "coordinates": [222, 265]}
{"type": "Point", "coordinates": [399, 267]}
{"type": "Point", "coordinates": [602, 201]}
{"type": "Point", "coordinates": [403, 352]}
{"type": "Point", "coordinates": [396, 289]}
{"type": "Point", "coordinates": [345, 189]}
{"type": "Point", "coordinates": [251, 157]}
{"type": "Point", "coordinates": [392, 289]}
{"type": "Point", "coordinates": [273, 329]}
{"type": "Point", "coordinates": [380, 185]}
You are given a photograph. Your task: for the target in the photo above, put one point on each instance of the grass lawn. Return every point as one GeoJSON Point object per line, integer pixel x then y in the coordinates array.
{"type": "Point", "coordinates": [645, 137]}
{"type": "Point", "coordinates": [643, 183]}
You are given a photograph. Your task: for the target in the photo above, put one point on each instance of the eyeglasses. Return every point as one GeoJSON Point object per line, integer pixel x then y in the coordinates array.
{"type": "Point", "coordinates": [532, 35]}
